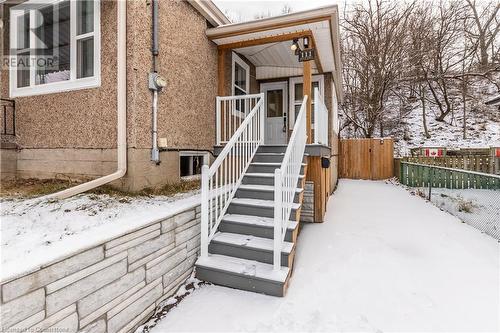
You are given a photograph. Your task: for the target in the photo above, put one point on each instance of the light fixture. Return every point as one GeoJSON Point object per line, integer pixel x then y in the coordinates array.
{"type": "Point", "coordinates": [295, 45]}
{"type": "Point", "coordinates": [306, 42]}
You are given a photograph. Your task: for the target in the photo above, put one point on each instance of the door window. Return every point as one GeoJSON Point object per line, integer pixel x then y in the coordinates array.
{"type": "Point", "coordinates": [274, 103]}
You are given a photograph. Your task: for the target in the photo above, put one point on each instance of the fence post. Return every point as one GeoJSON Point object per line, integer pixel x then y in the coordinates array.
{"type": "Point", "coordinates": [277, 219]}
{"type": "Point", "coordinates": [431, 177]}
{"type": "Point", "coordinates": [204, 210]}
{"type": "Point", "coordinates": [218, 120]}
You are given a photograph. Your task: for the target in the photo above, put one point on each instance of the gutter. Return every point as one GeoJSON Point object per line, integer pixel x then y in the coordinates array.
{"type": "Point", "coordinates": [121, 110]}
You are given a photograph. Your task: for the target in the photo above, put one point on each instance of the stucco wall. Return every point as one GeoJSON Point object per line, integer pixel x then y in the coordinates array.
{"type": "Point", "coordinates": [76, 119]}
{"type": "Point", "coordinates": [112, 286]}
{"type": "Point", "coordinates": [87, 118]}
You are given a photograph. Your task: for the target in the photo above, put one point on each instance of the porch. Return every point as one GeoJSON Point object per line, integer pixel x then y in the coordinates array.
{"type": "Point", "coordinates": [275, 139]}
{"type": "Point", "coordinates": [384, 260]}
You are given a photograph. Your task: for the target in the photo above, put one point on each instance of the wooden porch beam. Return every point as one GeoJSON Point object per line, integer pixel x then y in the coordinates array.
{"type": "Point", "coordinates": [267, 40]}
{"type": "Point", "coordinates": [221, 83]}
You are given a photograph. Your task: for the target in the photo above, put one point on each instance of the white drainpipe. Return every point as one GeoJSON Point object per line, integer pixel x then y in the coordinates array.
{"type": "Point", "coordinates": [122, 112]}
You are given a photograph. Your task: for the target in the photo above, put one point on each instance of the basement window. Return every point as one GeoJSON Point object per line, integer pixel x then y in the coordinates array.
{"type": "Point", "coordinates": [55, 46]}
{"type": "Point", "coordinates": [191, 162]}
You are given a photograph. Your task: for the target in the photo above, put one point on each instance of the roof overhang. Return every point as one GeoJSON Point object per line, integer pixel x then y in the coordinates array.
{"type": "Point", "coordinates": [210, 11]}
{"type": "Point", "coordinates": [266, 42]}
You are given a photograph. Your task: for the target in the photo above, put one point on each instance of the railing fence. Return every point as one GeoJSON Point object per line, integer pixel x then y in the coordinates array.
{"type": "Point", "coordinates": [220, 181]}
{"type": "Point", "coordinates": [472, 196]}
{"type": "Point", "coordinates": [320, 119]}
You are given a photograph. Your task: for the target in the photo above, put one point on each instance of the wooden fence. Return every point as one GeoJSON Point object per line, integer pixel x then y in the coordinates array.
{"type": "Point", "coordinates": [479, 163]}
{"type": "Point", "coordinates": [420, 175]}
{"type": "Point", "coordinates": [366, 158]}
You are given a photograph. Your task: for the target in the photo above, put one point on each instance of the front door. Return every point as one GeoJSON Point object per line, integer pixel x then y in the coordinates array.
{"type": "Point", "coordinates": [275, 98]}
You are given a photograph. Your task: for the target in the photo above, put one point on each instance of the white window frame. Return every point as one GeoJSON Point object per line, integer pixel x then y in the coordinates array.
{"type": "Point", "coordinates": [237, 60]}
{"type": "Point", "coordinates": [292, 103]}
{"type": "Point", "coordinates": [185, 153]}
{"type": "Point", "coordinates": [56, 87]}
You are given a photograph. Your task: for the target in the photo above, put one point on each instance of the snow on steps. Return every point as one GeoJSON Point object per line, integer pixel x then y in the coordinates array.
{"type": "Point", "coordinates": [243, 274]}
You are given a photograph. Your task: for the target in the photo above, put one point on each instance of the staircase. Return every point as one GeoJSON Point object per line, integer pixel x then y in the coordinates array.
{"type": "Point", "coordinates": [251, 198]}
{"type": "Point", "coordinates": [241, 252]}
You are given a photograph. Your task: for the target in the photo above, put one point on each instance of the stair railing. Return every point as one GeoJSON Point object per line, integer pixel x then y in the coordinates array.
{"type": "Point", "coordinates": [320, 119]}
{"type": "Point", "coordinates": [220, 182]}
{"type": "Point", "coordinates": [231, 111]}
{"type": "Point", "coordinates": [285, 182]}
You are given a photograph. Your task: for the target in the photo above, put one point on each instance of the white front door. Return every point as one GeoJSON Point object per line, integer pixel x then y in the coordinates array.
{"type": "Point", "coordinates": [275, 100]}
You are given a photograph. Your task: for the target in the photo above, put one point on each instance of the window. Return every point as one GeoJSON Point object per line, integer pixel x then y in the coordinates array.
{"type": "Point", "coordinates": [55, 46]}
{"type": "Point", "coordinates": [297, 95]}
{"type": "Point", "coordinates": [191, 162]}
{"type": "Point", "coordinates": [240, 83]}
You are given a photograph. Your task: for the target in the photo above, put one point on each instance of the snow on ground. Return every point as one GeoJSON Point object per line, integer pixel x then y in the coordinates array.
{"type": "Point", "coordinates": [384, 260]}
{"type": "Point", "coordinates": [35, 233]}
{"type": "Point", "coordinates": [479, 208]}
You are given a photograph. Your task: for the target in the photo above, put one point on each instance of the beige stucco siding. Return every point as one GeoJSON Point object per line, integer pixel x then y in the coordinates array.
{"type": "Point", "coordinates": [76, 119]}
{"type": "Point", "coordinates": [87, 118]}
{"type": "Point", "coordinates": [188, 60]}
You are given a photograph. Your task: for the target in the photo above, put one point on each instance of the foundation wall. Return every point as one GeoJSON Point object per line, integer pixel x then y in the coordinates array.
{"type": "Point", "coordinates": [111, 287]}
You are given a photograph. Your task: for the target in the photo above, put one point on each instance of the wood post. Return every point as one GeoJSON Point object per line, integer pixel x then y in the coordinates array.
{"type": "Point", "coordinates": [307, 88]}
{"type": "Point", "coordinates": [221, 58]}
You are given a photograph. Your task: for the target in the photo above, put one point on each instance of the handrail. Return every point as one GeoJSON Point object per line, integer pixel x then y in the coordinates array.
{"type": "Point", "coordinates": [320, 119]}
{"type": "Point", "coordinates": [285, 182]}
{"type": "Point", "coordinates": [231, 111]}
{"type": "Point", "coordinates": [220, 181]}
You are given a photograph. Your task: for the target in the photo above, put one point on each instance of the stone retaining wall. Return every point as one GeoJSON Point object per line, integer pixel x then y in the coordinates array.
{"type": "Point", "coordinates": [111, 287]}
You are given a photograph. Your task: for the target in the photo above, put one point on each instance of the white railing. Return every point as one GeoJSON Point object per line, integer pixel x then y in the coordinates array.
{"type": "Point", "coordinates": [231, 111]}
{"type": "Point", "coordinates": [220, 182]}
{"type": "Point", "coordinates": [285, 182]}
{"type": "Point", "coordinates": [320, 119]}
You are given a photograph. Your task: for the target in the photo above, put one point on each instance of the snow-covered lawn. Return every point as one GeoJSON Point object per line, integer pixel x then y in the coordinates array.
{"type": "Point", "coordinates": [479, 208]}
{"type": "Point", "coordinates": [34, 232]}
{"type": "Point", "coordinates": [384, 260]}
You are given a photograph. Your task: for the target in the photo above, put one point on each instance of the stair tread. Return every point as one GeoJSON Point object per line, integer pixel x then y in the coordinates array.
{"type": "Point", "coordinates": [250, 241]}
{"type": "Point", "coordinates": [255, 220]}
{"type": "Point", "coordinates": [266, 188]}
{"type": "Point", "coordinates": [259, 202]}
{"type": "Point", "coordinates": [246, 267]}
{"type": "Point", "coordinates": [264, 174]}
{"type": "Point", "coordinates": [270, 163]}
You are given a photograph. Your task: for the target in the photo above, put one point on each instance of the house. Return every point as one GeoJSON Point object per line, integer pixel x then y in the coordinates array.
{"type": "Point", "coordinates": [140, 94]}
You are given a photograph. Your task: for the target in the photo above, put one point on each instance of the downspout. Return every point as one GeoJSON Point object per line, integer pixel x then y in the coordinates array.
{"type": "Point", "coordinates": [121, 111]}
{"type": "Point", "coordinates": [155, 152]}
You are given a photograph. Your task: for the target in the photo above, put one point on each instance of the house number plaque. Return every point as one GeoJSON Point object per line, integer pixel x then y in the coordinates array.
{"type": "Point", "coordinates": [306, 55]}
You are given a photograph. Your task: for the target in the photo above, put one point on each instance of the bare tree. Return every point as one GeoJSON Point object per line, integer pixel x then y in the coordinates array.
{"type": "Point", "coordinates": [374, 47]}
{"type": "Point", "coordinates": [485, 29]}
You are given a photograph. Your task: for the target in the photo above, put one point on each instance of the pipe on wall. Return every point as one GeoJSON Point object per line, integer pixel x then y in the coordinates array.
{"type": "Point", "coordinates": [155, 152]}
{"type": "Point", "coordinates": [121, 111]}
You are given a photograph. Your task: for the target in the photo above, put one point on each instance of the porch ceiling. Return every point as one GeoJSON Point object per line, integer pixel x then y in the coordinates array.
{"type": "Point", "coordinates": [266, 43]}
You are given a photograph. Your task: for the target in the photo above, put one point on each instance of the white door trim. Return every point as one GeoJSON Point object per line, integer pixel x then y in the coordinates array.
{"type": "Point", "coordinates": [264, 87]}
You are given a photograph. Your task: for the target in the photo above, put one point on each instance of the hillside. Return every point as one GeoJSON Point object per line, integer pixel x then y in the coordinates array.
{"type": "Point", "coordinates": [404, 120]}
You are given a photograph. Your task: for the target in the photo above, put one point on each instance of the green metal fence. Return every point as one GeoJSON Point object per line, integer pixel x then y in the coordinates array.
{"type": "Point", "coordinates": [421, 175]}
{"type": "Point", "coordinates": [473, 197]}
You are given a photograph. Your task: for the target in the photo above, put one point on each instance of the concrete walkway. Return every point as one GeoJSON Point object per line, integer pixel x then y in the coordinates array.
{"type": "Point", "coordinates": [383, 261]}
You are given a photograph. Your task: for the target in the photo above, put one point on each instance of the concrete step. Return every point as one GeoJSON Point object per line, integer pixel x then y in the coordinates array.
{"type": "Point", "coordinates": [263, 178]}
{"type": "Point", "coordinates": [256, 226]}
{"type": "Point", "coordinates": [257, 207]}
{"type": "Point", "coordinates": [264, 192]}
{"type": "Point", "coordinates": [243, 274]}
{"type": "Point", "coordinates": [250, 247]}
